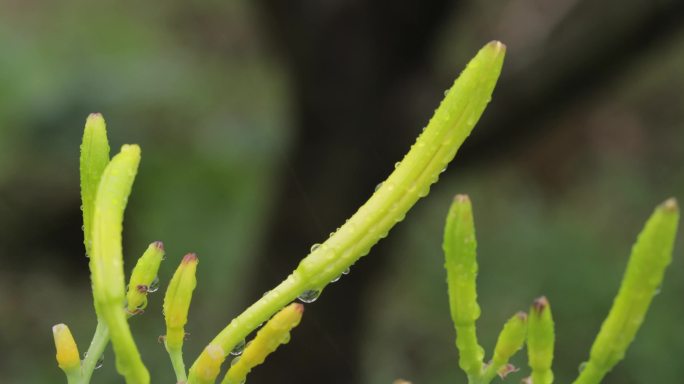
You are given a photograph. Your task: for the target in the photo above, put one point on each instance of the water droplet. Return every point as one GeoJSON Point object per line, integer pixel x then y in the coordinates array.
{"type": "Point", "coordinates": [446, 91]}
{"type": "Point", "coordinates": [315, 247]}
{"type": "Point", "coordinates": [336, 279]}
{"type": "Point", "coordinates": [237, 350]}
{"type": "Point", "coordinates": [346, 271]}
{"type": "Point", "coordinates": [234, 361]}
{"type": "Point", "coordinates": [582, 366]}
{"type": "Point", "coordinates": [397, 164]}
{"type": "Point", "coordinates": [309, 296]}
{"type": "Point", "coordinates": [443, 170]}
{"type": "Point", "coordinates": [98, 363]}
{"type": "Point", "coordinates": [154, 285]}
{"type": "Point", "coordinates": [378, 187]}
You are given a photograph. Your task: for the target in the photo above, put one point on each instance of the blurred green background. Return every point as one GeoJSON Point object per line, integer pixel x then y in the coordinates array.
{"type": "Point", "coordinates": [265, 124]}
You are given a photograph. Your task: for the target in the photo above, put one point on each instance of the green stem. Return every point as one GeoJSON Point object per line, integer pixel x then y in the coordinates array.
{"type": "Point", "coordinates": [176, 357]}
{"type": "Point", "coordinates": [411, 180]}
{"type": "Point", "coordinates": [95, 350]}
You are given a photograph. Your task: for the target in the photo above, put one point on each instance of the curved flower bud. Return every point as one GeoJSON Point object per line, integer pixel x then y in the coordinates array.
{"type": "Point", "coordinates": [143, 275]}
{"type": "Point", "coordinates": [67, 356]}
{"type": "Point", "coordinates": [268, 339]}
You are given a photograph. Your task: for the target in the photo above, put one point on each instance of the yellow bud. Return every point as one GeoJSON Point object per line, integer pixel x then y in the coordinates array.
{"type": "Point", "coordinates": [275, 332]}
{"type": "Point", "coordinates": [177, 301]}
{"type": "Point", "coordinates": [68, 358]}
{"type": "Point", "coordinates": [209, 364]}
{"type": "Point", "coordinates": [142, 277]}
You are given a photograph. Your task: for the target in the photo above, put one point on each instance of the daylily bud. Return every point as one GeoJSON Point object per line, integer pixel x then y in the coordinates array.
{"type": "Point", "coordinates": [511, 338]}
{"type": "Point", "coordinates": [94, 159]}
{"type": "Point", "coordinates": [143, 276]}
{"type": "Point", "coordinates": [209, 364]}
{"type": "Point", "coordinates": [275, 332]}
{"type": "Point", "coordinates": [177, 301]}
{"type": "Point", "coordinates": [68, 358]}
{"type": "Point", "coordinates": [540, 341]}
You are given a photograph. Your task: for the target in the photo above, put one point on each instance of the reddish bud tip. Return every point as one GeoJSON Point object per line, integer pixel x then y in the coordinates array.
{"type": "Point", "coordinates": [521, 315]}
{"type": "Point", "coordinates": [540, 304]}
{"type": "Point", "coordinates": [298, 307]}
{"type": "Point", "coordinates": [499, 46]}
{"type": "Point", "coordinates": [189, 258]}
{"type": "Point", "coordinates": [159, 245]}
{"type": "Point", "coordinates": [95, 115]}
{"type": "Point", "coordinates": [462, 198]}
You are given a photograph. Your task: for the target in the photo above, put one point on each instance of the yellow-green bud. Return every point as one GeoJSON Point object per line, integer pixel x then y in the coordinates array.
{"type": "Point", "coordinates": [142, 277]}
{"type": "Point", "coordinates": [540, 341]}
{"type": "Point", "coordinates": [94, 159]}
{"type": "Point", "coordinates": [177, 301]}
{"type": "Point", "coordinates": [67, 356]}
{"type": "Point", "coordinates": [275, 332]}
{"type": "Point", "coordinates": [209, 364]}
{"type": "Point", "coordinates": [511, 338]}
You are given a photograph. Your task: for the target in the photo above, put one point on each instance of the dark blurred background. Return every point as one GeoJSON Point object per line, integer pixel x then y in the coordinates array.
{"type": "Point", "coordinates": [265, 124]}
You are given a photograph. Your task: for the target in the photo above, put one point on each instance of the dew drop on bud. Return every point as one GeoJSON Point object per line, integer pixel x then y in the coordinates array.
{"type": "Point", "coordinates": [309, 296]}
{"type": "Point", "coordinates": [346, 271]}
{"type": "Point", "coordinates": [154, 285]}
{"type": "Point", "coordinates": [378, 187]}
{"type": "Point", "coordinates": [315, 247]}
{"type": "Point", "coordinates": [237, 350]}
{"type": "Point", "coordinates": [336, 279]}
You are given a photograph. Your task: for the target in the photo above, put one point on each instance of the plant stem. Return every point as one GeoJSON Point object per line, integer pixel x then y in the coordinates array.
{"type": "Point", "coordinates": [435, 148]}
{"type": "Point", "coordinates": [176, 357]}
{"type": "Point", "coordinates": [95, 350]}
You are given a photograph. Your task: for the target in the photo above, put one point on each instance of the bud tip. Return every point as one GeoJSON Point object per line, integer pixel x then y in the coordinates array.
{"type": "Point", "coordinates": [670, 205]}
{"type": "Point", "coordinates": [540, 304]}
{"type": "Point", "coordinates": [189, 258]}
{"type": "Point", "coordinates": [159, 245]}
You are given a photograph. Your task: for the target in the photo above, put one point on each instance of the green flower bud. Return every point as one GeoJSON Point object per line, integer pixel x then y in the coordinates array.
{"type": "Point", "coordinates": [209, 364]}
{"type": "Point", "coordinates": [540, 341]}
{"type": "Point", "coordinates": [268, 339]}
{"type": "Point", "coordinates": [650, 257]}
{"type": "Point", "coordinates": [461, 265]}
{"type": "Point", "coordinates": [177, 301]}
{"type": "Point", "coordinates": [94, 159]}
{"type": "Point", "coordinates": [143, 275]}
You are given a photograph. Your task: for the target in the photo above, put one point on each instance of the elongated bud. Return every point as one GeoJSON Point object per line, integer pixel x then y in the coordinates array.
{"type": "Point", "coordinates": [177, 301]}
{"type": "Point", "coordinates": [94, 158]}
{"type": "Point", "coordinates": [461, 265]}
{"type": "Point", "coordinates": [268, 339]}
{"type": "Point", "coordinates": [511, 338]}
{"type": "Point", "coordinates": [143, 275]}
{"type": "Point", "coordinates": [106, 260]}
{"type": "Point", "coordinates": [68, 357]}
{"type": "Point", "coordinates": [540, 341]}
{"type": "Point", "coordinates": [651, 255]}
{"type": "Point", "coordinates": [209, 364]}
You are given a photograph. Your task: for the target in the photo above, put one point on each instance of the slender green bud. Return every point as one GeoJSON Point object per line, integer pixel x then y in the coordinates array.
{"type": "Point", "coordinates": [268, 339]}
{"type": "Point", "coordinates": [650, 256]}
{"type": "Point", "coordinates": [208, 364]}
{"type": "Point", "coordinates": [67, 356]}
{"type": "Point", "coordinates": [540, 341]}
{"type": "Point", "coordinates": [106, 260]}
{"type": "Point", "coordinates": [461, 266]}
{"type": "Point", "coordinates": [177, 301]}
{"type": "Point", "coordinates": [143, 275]}
{"type": "Point", "coordinates": [511, 339]}
{"type": "Point", "coordinates": [94, 159]}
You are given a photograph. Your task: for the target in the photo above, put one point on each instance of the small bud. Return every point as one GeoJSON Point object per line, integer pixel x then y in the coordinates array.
{"type": "Point", "coordinates": [144, 273]}
{"type": "Point", "coordinates": [511, 338]}
{"type": "Point", "coordinates": [540, 341]}
{"type": "Point", "coordinates": [68, 357]}
{"type": "Point", "coordinates": [177, 301]}
{"type": "Point", "coordinates": [273, 334]}
{"type": "Point", "coordinates": [209, 364]}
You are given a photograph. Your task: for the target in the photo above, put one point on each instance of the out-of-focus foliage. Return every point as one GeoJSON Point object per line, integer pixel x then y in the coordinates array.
{"type": "Point", "coordinates": [197, 87]}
